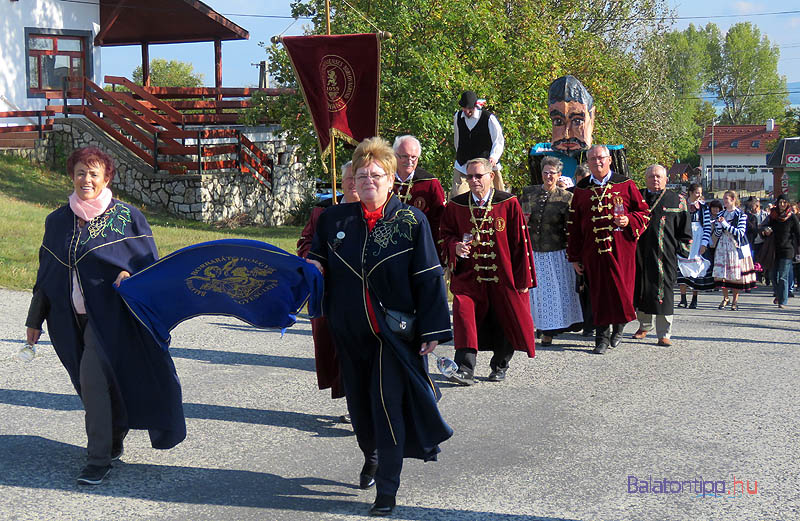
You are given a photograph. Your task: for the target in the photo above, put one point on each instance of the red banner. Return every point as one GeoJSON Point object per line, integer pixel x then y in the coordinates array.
{"type": "Point", "coordinates": [339, 76]}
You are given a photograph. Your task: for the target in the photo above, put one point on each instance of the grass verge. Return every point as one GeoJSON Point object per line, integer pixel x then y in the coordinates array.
{"type": "Point", "coordinates": [28, 193]}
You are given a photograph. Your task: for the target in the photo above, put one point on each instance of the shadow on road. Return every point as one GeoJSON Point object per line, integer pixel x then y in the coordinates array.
{"type": "Point", "coordinates": [234, 358]}
{"type": "Point", "coordinates": [321, 426]}
{"type": "Point", "coordinates": [246, 327]}
{"type": "Point", "coordinates": [36, 462]}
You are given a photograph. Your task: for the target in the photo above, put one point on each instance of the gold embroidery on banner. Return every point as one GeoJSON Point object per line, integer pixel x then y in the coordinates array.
{"type": "Point", "coordinates": [500, 224]}
{"type": "Point", "coordinates": [243, 280]}
{"type": "Point", "coordinates": [339, 80]}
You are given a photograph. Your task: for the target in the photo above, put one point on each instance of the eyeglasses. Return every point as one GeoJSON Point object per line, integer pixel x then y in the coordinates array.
{"type": "Point", "coordinates": [374, 177]}
{"type": "Point", "coordinates": [599, 159]}
{"type": "Point", "coordinates": [406, 157]}
{"type": "Point", "coordinates": [473, 176]}
{"type": "Point", "coordinates": [551, 173]}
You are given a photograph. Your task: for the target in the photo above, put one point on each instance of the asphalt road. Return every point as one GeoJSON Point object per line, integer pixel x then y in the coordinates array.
{"type": "Point", "coordinates": [568, 436]}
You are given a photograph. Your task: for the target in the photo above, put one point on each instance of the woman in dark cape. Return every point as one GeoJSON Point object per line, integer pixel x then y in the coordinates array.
{"type": "Point", "coordinates": [125, 380]}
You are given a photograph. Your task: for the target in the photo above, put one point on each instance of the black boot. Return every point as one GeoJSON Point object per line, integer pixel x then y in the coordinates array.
{"type": "Point", "coordinates": [693, 304]}
{"type": "Point", "coordinates": [683, 303]}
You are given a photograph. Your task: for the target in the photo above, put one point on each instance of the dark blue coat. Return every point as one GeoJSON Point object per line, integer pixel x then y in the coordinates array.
{"type": "Point", "coordinates": [140, 371]}
{"type": "Point", "coordinates": [400, 262]}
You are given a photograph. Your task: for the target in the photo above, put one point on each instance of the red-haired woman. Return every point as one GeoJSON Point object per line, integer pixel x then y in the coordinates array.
{"type": "Point", "coordinates": [123, 377]}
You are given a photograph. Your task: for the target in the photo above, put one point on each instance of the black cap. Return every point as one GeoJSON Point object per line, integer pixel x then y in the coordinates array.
{"type": "Point", "coordinates": [783, 197]}
{"type": "Point", "coordinates": [468, 99]}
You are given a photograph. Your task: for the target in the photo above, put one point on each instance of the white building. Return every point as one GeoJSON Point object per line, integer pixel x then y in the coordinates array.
{"type": "Point", "coordinates": [738, 155]}
{"type": "Point", "coordinates": [43, 41]}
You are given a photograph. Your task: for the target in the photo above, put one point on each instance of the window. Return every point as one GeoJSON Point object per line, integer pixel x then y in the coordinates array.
{"type": "Point", "coordinates": [755, 144]}
{"type": "Point", "coordinates": [52, 55]}
{"type": "Point", "coordinates": [735, 143]}
{"type": "Point", "coordinates": [51, 58]}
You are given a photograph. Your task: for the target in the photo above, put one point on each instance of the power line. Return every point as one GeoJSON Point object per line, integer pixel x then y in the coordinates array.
{"type": "Point", "coordinates": [714, 96]}
{"type": "Point", "coordinates": [633, 18]}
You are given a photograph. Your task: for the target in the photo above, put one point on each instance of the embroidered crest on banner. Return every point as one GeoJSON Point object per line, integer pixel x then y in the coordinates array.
{"type": "Point", "coordinates": [500, 224]}
{"type": "Point", "coordinates": [339, 80]}
{"type": "Point", "coordinates": [386, 232]}
{"type": "Point", "coordinates": [115, 219]}
{"type": "Point", "coordinates": [244, 280]}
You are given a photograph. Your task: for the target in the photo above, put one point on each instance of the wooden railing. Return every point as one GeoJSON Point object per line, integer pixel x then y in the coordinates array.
{"type": "Point", "coordinates": [153, 129]}
{"type": "Point", "coordinates": [40, 127]}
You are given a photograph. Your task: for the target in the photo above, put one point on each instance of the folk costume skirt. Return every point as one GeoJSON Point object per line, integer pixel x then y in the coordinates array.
{"type": "Point", "coordinates": [555, 305]}
{"type": "Point", "coordinates": [733, 266]}
{"type": "Point", "coordinates": [696, 271]}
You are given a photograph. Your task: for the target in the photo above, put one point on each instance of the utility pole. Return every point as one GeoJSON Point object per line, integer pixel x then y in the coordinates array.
{"type": "Point", "coordinates": [711, 174]}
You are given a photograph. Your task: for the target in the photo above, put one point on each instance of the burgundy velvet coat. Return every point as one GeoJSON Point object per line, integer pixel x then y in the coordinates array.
{"type": "Point", "coordinates": [608, 256]}
{"type": "Point", "coordinates": [499, 266]}
{"type": "Point", "coordinates": [425, 192]}
{"type": "Point", "coordinates": [324, 351]}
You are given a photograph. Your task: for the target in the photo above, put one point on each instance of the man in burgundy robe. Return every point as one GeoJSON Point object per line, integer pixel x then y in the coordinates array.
{"type": "Point", "coordinates": [607, 216]}
{"type": "Point", "coordinates": [414, 185]}
{"type": "Point", "coordinates": [486, 246]}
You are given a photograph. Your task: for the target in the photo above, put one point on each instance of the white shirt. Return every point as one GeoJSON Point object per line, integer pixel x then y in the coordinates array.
{"type": "Point", "coordinates": [409, 178]}
{"type": "Point", "coordinates": [481, 202]}
{"type": "Point", "coordinates": [602, 181]}
{"type": "Point", "coordinates": [495, 132]}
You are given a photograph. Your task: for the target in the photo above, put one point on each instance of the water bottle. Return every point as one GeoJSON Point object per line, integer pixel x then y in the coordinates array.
{"type": "Point", "coordinates": [27, 352]}
{"type": "Point", "coordinates": [446, 366]}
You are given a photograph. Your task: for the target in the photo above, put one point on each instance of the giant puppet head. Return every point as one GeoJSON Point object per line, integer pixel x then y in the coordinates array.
{"type": "Point", "coordinates": [571, 109]}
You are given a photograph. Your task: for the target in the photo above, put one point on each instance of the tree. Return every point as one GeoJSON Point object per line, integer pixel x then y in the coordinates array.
{"type": "Point", "coordinates": [172, 73]}
{"type": "Point", "coordinates": [744, 75]}
{"type": "Point", "coordinates": [508, 51]}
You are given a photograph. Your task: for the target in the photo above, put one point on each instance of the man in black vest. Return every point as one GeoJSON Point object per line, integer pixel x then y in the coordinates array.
{"type": "Point", "coordinates": [477, 133]}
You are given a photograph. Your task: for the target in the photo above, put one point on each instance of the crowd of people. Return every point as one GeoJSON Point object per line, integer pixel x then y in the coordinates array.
{"type": "Point", "coordinates": [591, 255]}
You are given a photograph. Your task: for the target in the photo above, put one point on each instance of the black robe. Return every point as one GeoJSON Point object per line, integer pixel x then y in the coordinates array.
{"type": "Point", "coordinates": [138, 370]}
{"type": "Point", "coordinates": [668, 234]}
{"type": "Point", "coordinates": [399, 261]}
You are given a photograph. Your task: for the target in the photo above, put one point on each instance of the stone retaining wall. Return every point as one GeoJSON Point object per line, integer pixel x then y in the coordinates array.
{"type": "Point", "coordinates": [210, 197]}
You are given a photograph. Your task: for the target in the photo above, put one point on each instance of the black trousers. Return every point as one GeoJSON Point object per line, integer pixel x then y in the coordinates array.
{"type": "Point", "coordinates": [603, 333]}
{"type": "Point", "coordinates": [490, 336]}
{"type": "Point", "coordinates": [374, 385]}
{"type": "Point", "coordinates": [100, 401]}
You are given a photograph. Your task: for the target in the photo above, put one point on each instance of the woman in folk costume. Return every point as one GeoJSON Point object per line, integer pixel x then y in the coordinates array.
{"type": "Point", "coordinates": [696, 270]}
{"type": "Point", "coordinates": [733, 262]}
{"type": "Point", "coordinates": [380, 263]}
{"type": "Point", "coordinates": [555, 305]}
{"type": "Point", "coordinates": [124, 378]}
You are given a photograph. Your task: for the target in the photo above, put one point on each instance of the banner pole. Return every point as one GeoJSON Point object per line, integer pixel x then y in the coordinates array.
{"type": "Point", "coordinates": [333, 139]}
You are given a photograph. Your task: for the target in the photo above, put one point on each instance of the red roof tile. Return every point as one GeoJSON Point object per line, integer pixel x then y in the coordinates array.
{"type": "Point", "coordinates": [750, 139]}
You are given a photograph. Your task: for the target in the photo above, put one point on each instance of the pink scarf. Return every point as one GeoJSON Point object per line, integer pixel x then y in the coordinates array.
{"type": "Point", "coordinates": [89, 209]}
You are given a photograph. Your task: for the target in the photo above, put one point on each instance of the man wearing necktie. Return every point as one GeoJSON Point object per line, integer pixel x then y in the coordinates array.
{"type": "Point", "coordinates": [607, 216]}
{"type": "Point", "coordinates": [668, 234]}
{"type": "Point", "coordinates": [486, 246]}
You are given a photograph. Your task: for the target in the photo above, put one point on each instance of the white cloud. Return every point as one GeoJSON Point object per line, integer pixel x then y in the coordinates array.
{"type": "Point", "coordinates": [794, 22]}
{"type": "Point", "coordinates": [747, 7]}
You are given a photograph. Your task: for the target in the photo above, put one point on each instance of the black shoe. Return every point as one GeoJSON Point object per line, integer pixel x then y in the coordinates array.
{"type": "Point", "coordinates": [367, 477]}
{"type": "Point", "coordinates": [344, 418]}
{"type": "Point", "coordinates": [616, 339]}
{"type": "Point", "coordinates": [93, 474]}
{"type": "Point", "coordinates": [498, 375]}
{"type": "Point", "coordinates": [693, 304]}
{"type": "Point", "coordinates": [587, 332]}
{"type": "Point", "coordinates": [683, 303]}
{"type": "Point", "coordinates": [462, 378]}
{"type": "Point", "coordinates": [601, 348]}
{"type": "Point", "coordinates": [383, 505]}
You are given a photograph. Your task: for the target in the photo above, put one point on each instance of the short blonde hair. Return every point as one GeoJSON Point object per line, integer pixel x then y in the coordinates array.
{"type": "Point", "coordinates": [375, 149]}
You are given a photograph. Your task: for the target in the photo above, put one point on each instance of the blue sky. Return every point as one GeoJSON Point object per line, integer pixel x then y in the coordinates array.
{"type": "Point", "coordinates": [237, 56]}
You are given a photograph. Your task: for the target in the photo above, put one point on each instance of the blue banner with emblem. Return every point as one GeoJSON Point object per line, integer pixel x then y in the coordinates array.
{"type": "Point", "coordinates": [253, 281]}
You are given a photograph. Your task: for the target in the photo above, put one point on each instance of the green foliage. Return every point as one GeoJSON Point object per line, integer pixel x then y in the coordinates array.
{"type": "Point", "coordinates": [739, 67]}
{"type": "Point", "coordinates": [508, 52]}
{"type": "Point", "coordinates": [172, 73]}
